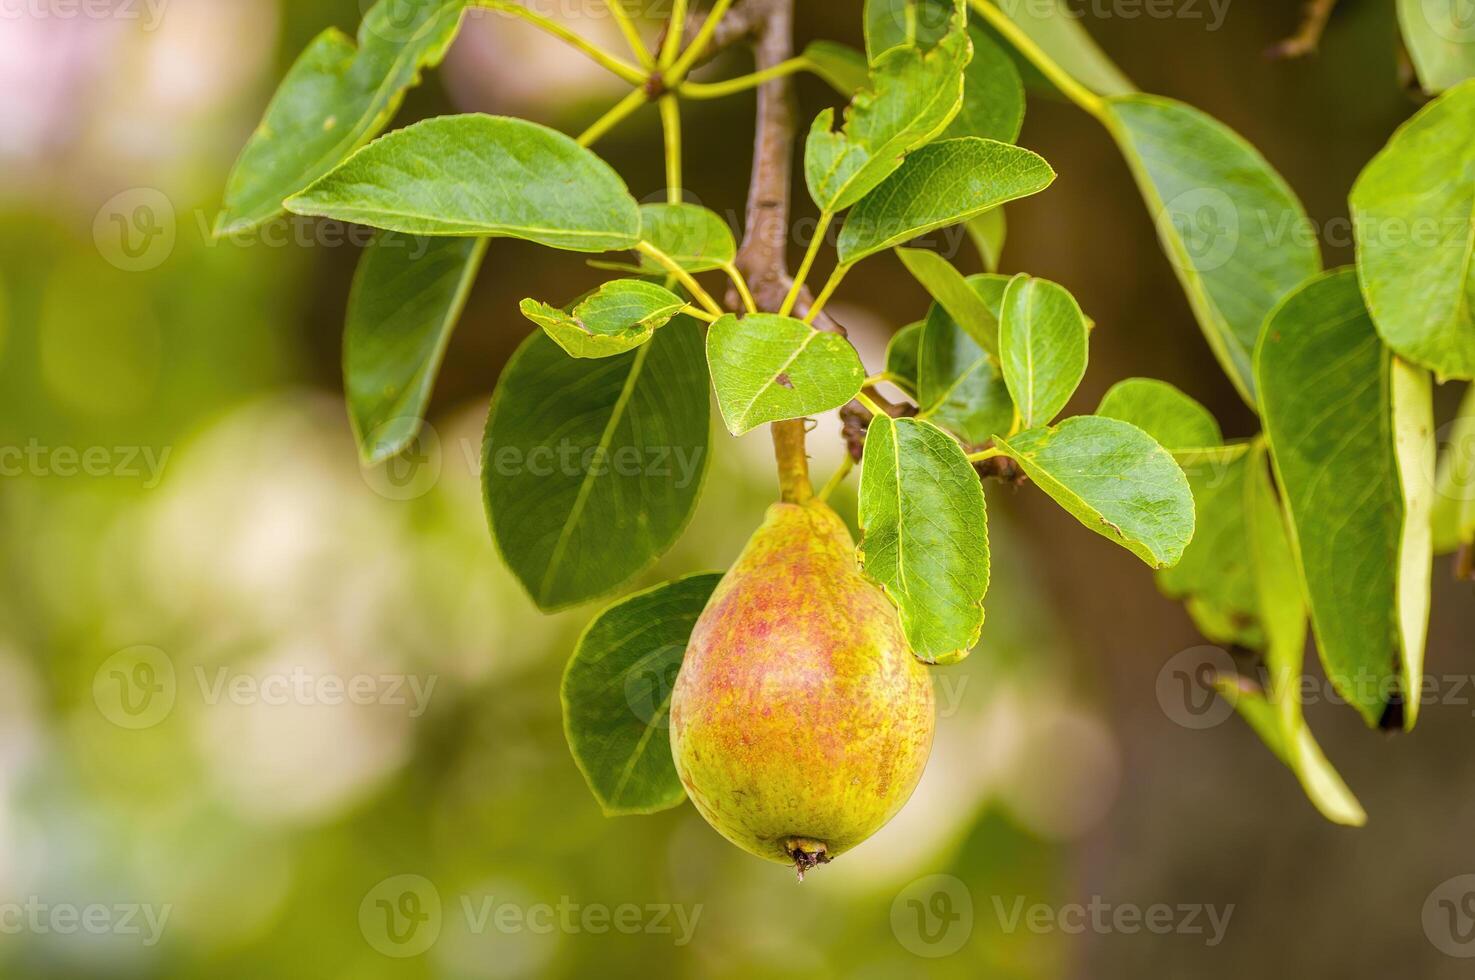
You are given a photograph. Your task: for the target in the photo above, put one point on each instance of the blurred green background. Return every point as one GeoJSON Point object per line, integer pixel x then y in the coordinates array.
{"type": "Point", "coordinates": [187, 535]}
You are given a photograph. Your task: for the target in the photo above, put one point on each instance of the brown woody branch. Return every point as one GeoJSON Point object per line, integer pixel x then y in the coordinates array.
{"type": "Point", "coordinates": [1308, 35]}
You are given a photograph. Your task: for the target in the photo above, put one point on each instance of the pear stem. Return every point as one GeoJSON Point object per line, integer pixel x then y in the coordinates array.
{"type": "Point", "coordinates": [793, 462]}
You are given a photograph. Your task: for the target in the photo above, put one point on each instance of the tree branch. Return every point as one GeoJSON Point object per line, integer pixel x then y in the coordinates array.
{"type": "Point", "coordinates": [1308, 36]}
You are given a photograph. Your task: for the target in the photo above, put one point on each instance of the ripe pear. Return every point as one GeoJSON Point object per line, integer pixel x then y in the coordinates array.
{"type": "Point", "coordinates": [800, 721]}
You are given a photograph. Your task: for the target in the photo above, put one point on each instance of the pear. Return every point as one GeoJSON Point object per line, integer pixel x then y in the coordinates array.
{"type": "Point", "coordinates": [800, 721]}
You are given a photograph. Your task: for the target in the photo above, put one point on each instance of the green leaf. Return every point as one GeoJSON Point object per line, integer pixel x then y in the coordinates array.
{"type": "Point", "coordinates": [901, 353]}
{"type": "Point", "coordinates": [958, 384]}
{"type": "Point", "coordinates": [1235, 233]}
{"type": "Point", "coordinates": [1440, 36]}
{"type": "Point", "coordinates": [988, 232]}
{"type": "Point", "coordinates": [1216, 577]}
{"type": "Point", "coordinates": [926, 534]}
{"type": "Point", "coordinates": [1058, 31]}
{"type": "Point", "coordinates": [944, 183]}
{"type": "Point", "coordinates": [912, 97]}
{"type": "Point", "coordinates": [993, 94]}
{"type": "Point", "coordinates": [488, 176]}
{"type": "Point", "coordinates": [1413, 210]}
{"type": "Point", "coordinates": [955, 294]}
{"type": "Point", "coordinates": [333, 99]}
{"type": "Point", "coordinates": [1282, 609]}
{"type": "Point", "coordinates": [1175, 420]}
{"type": "Point", "coordinates": [898, 23]}
{"type": "Point", "coordinates": [1453, 517]}
{"type": "Point", "coordinates": [617, 695]}
{"type": "Point", "coordinates": [1348, 436]}
{"type": "Point", "coordinates": [407, 296]}
{"type": "Point", "coordinates": [768, 368]}
{"type": "Point", "coordinates": [844, 68]}
{"type": "Point", "coordinates": [1113, 478]}
{"type": "Point", "coordinates": [698, 239]}
{"type": "Point", "coordinates": [1042, 348]}
{"type": "Point", "coordinates": [591, 469]}
{"type": "Point", "coordinates": [616, 317]}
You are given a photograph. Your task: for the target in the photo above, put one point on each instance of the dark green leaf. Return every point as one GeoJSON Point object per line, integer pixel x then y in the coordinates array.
{"type": "Point", "coordinates": [1351, 435]}
{"type": "Point", "coordinates": [335, 98]}
{"type": "Point", "coordinates": [993, 94]}
{"type": "Point", "coordinates": [953, 292]}
{"type": "Point", "coordinates": [901, 354]}
{"type": "Point", "coordinates": [616, 317]}
{"type": "Point", "coordinates": [617, 695]}
{"type": "Point", "coordinates": [944, 183]}
{"type": "Point", "coordinates": [487, 176]}
{"type": "Point", "coordinates": [1042, 348]}
{"type": "Point", "coordinates": [592, 468]}
{"type": "Point", "coordinates": [1413, 210]}
{"type": "Point", "coordinates": [407, 295]}
{"type": "Point", "coordinates": [1235, 233]}
{"type": "Point", "coordinates": [698, 239]}
{"type": "Point", "coordinates": [768, 368]}
{"type": "Point", "coordinates": [926, 534]}
{"type": "Point", "coordinates": [959, 384]}
{"type": "Point", "coordinates": [1114, 479]}
{"type": "Point", "coordinates": [1176, 421]}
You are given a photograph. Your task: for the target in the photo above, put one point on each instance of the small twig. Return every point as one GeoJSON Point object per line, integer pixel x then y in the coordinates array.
{"type": "Point", "coordinates": [1308, 36]}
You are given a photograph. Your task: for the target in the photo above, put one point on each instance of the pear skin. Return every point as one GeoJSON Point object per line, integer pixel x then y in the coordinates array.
{"type": "Point", "coordinates": [800, 721]}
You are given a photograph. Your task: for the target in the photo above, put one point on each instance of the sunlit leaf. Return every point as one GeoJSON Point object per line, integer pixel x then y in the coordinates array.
{"type": "Point", "coordinates": [1440, 36]}
{"type": "Point", "coordinates": [591, 469]}
{"type": "Point", "coordinates": [1042, 348]}
{"type": "Point", "coordinates": [488, 176]}
{"type": "Point", "coordinates": [617, 695]}
{"type": "Point", "coordinates": [1113, 478]}
{"type": "Point", "coordinates": [698, 239]}
{"type": "Point", "coordinates": [1453, 518]}
{"type": "Point", "coordinates": [844, 68]}
{"type": "Point", "coordinates": [988, 233]}
{"type": "Point", "coordinates": [901, 354]}
{"type": "Point", "coordinates": [336, 97]}
{"type": "Point", "coordinates": [913, 95]}
{"type": "Point", "coordinates": [944, 183]}
{"type": "Point", "coordinates": [614, 318]}
{"type": "Point", "coordinates": [1413, 210]}
{"type": "Point", "coordinates": [1058, 31]}
{"type": "Point", "coordinates": [769, 368]}
{"type": "Point", "coordinates": [1176, 421]}
{"type": "Point", "coordinates": [407, 294]}
{"type": "Point", "coordinates": [926, 534]}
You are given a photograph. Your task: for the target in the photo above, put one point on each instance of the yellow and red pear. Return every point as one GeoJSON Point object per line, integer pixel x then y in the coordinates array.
{"type": "Point", "coordinates": [800, 721]}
